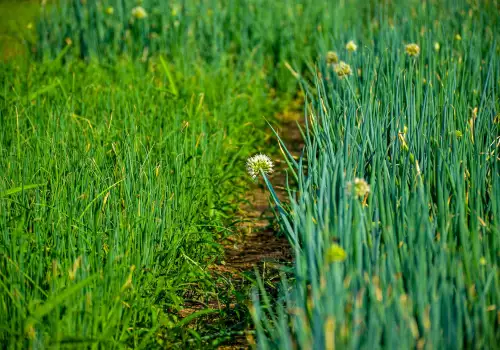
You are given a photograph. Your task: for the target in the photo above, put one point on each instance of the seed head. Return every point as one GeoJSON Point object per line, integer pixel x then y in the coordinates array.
{"type": "Point", "coordinates": [412, 50]}
{"type": "Point", "coordinates": [342, 69]}
{"type": "Point", "coordinates": [258, 163]}
{"type": "Point", "coordinates": [110, 10]}
{"type": "Point", "coordinates": [30, 331]}
{"type": "Point", "coordinates": [335, 254]}
{"type": "Point", "coordinates": [139, 12]}
{"type": "Point", "coordinates": [351, 46]}
{"type": "Point", "coordinates": [331, 57]}
{"type": "Point", "coordinates": [359, 187]}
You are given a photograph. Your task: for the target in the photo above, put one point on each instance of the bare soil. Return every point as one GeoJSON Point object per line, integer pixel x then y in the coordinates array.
{"type": "Point", "coordinates": [256, 245]}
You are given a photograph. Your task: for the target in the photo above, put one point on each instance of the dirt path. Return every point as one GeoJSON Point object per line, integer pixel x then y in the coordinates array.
{"type": "Point", "coordinates": [255, 245]}
{"type": "Point", "coordinates": [257, 241]}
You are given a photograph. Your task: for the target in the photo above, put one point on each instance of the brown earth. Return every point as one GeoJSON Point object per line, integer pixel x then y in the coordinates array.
{"type": "Point", "coordinates": [256, 244]}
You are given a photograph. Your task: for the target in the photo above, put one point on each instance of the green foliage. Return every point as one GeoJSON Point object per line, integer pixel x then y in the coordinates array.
{"type": "Point", "coordinates": [115, 186]}
{"type": "Point", "coordinates": [123, 142]}
{"type": "Point", "coordinates": [267, 33]}
{"type": "Point", "coordinates": [16, 26]}
{"type": "Point", "coordinates": [421, 264]}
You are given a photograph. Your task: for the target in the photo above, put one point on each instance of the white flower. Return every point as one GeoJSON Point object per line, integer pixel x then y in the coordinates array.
{"type": "Point", "coordinates": [258, 163]}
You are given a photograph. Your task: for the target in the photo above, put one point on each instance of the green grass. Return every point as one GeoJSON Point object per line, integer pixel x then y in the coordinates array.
{"type": "Point", "coordinates": [116, 183]}
{"type": "Point", "coordinates": [17, 21]}
{"type": "Point", "coordinates": [123, 144]}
